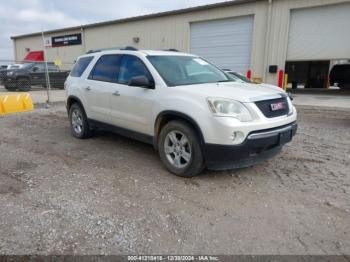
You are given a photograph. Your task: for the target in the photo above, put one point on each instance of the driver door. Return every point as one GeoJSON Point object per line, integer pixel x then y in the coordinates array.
{"type": "Point", "coordinates": [131, 106]}
{"type": "Point", "coordinates": [38, 76]}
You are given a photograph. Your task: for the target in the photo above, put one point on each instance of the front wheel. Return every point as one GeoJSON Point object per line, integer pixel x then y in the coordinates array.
{"type": "Point", "coordinates": [78, 122]}
{"type": "Point", "coordinates": [8, 88]}
{"type": "Point", "coordinates": [23, 84]}
{"type": "Point", "coordinates": [180, 150]}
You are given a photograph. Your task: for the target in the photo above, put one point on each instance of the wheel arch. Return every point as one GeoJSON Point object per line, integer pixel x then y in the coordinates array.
{"type": "Point", "coordinates": [24, 77]}
{"type": "Point", "coordinates": [169, 115]}
{"type": "Point", "coordinates": [73, 99]}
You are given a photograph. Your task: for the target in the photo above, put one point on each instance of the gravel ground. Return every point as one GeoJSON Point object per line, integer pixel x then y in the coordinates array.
{"type": "Point", "coordinates": [111, 195]}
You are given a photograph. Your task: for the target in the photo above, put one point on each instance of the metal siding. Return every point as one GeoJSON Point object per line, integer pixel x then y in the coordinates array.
{"type": "Point", "coordinates": [227, 43]}
{"type": "Point", "coordinates": [280, 25]}
{"type": "Point", "coordinates": [320, 33]}
{"type": "Point", "coordinates": [171, 31]}
{"type": "Point", "coordinates": [174, 31]}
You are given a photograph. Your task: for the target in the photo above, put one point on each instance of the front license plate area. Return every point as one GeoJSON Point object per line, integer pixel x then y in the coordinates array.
{"type": "Point", "coordinates": [285, 137]}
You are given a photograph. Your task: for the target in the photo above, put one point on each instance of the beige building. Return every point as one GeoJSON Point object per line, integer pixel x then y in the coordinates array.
{"type": "Point", "coordinates": [303, 37]}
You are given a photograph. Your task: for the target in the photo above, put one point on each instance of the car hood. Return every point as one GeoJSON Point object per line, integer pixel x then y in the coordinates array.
{"type": "Point", "coordinates": [18, 70]}
{"type": "Point", "coordinates": [242, 92]}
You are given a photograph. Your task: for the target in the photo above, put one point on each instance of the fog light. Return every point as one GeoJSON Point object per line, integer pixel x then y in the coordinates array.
{"type": "Point", "coordinates": [237, 137]}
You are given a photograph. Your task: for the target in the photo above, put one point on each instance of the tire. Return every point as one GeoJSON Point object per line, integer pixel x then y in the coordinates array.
{"type": "Point", "coordinates": [8, 88]}
{"type": "Point", "coordinates": [23, 84]}
{"type": "Point", "coordinates": [78, 122]}
{"type": "Point", "coordinates": [181, 158]}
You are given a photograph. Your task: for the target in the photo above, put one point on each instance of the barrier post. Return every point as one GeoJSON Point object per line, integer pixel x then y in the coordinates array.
{"type": "Point", "coordinates": [249, 74]}
{"type": "Point", "coordinates": [280, 79]}
{"type": "Point", "coordinates": [285, 81]}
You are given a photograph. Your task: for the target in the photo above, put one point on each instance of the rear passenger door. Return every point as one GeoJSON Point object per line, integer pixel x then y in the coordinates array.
{"type": "Point", "coordinates": [131, 107]}
{"type": "Point", "coordinates": [100, 86]}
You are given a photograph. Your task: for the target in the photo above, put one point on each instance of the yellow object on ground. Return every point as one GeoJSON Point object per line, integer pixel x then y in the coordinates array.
{"type": "Point", "coordinates": [15, 103]}
{"type": "Point", "coordinates": [257, 80]}
{"type": "Point", "coordinates": [285, 82]}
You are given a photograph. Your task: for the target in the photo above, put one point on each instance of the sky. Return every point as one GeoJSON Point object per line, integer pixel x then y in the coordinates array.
{"type": "Point", "coordinates": [28, 16]}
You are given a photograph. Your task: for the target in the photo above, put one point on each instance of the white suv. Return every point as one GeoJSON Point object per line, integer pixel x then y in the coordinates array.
{"type": "Point", "coordinates": [193, 113]}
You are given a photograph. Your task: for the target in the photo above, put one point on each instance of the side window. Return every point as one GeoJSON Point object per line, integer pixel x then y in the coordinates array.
{"type": "Point", "coordinates": [130, 67]}
{"type": "Point", "coordinates": [80, 66]}
{"type": "Point", "coordinates": [106, 69]}
{"type": "Point", "coordinates": [38, 68]}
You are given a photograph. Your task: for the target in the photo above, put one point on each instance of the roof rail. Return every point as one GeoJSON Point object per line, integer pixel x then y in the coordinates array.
{"type": "Point", "coordinates": [171, 50]}
{"type": "Point", "coordinates": [128, 48]}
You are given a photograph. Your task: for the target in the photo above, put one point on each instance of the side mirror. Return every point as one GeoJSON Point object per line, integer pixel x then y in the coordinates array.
{"type": "Point", "coordinates": [141, 81]}
{"type": "Point", "coordinates": [35, 68]}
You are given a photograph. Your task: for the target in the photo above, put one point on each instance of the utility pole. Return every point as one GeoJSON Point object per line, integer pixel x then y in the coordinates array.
{"type": "Point", "coordinates": [48, 85]}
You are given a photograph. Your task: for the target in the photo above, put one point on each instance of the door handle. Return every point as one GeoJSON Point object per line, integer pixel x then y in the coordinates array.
{"type": "Point", "coordinates": [116, 93]}
{"type": "Point", "coordinates": [87, 88]}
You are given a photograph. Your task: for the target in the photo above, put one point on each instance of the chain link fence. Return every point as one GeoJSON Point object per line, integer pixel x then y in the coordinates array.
{"type": "Point", "coordinates": [20, 76]}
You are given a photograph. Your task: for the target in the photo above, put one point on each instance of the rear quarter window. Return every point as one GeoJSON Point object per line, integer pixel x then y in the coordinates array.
{"type": "Point", "coordinates": [80, 66]}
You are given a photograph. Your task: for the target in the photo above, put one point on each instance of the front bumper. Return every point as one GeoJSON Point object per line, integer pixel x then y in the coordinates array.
{"type": "Point", "coordinates": [9, 81]}
{"type": "Point", "coordinates": [258, 146]}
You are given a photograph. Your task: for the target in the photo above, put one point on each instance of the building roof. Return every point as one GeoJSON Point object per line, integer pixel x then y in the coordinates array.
{"type": "Point", "coordinates": [137, 18]}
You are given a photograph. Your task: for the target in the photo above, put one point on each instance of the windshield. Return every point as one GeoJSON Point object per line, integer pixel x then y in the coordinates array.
{"type": "Point", "coordinates": [187, 70]}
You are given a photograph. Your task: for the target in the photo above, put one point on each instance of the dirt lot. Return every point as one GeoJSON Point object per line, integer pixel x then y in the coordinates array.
{"type": "Point", "coordinates": [111, 195]}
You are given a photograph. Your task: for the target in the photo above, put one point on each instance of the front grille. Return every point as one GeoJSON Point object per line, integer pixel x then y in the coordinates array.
{"type": "Point", "coordinates": [266, 107]}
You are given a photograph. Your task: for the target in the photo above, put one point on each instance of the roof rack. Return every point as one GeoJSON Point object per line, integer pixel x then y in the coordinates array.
{"type": "Point", "coordinates": [171, 50]}
{"type": "Point", "coordinates": [128, 48]}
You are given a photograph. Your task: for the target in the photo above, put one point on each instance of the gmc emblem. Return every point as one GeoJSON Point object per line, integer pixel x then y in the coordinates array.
{"type": "Point", "coordinates": [278, 106]}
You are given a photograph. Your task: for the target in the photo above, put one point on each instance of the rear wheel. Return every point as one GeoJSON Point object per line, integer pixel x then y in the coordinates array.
{"type": "Point", "coordinates": [78, 122]}
{"type": "Point", "coordinates": [23, 84]}
{"type": "Point", "coordinates": [180, 150]}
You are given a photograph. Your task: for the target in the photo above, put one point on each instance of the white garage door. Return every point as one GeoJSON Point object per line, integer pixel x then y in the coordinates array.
{"type": "Point", "coordinates": [227, 43]}
{"type": "Point", "coordinates": [320, 33]}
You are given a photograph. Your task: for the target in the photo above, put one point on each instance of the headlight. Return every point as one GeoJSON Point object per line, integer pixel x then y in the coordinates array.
{"type": "Point", "coordinates": [229, 108]}
{"type": "Point", "coordinates": [9, 73]}
{"type": "Point", "coordinates": [290, 105]}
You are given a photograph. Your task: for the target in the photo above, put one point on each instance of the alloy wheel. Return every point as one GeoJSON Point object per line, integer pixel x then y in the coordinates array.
{"type": "Point", "coordinates": [177, 149]}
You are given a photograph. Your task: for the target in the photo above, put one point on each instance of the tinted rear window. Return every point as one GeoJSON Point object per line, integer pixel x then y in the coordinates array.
{"type": "Point", "coordinates": [80, 66]}
{"type": "Point", "coordinates": [106, 69]}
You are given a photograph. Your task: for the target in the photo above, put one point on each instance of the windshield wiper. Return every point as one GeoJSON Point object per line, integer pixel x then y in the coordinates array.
{"type": "Point", "coordinates": [223, 81]}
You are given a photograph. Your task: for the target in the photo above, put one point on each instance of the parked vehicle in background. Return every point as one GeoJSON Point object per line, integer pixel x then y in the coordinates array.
{"type": "Point", "coordinates": [14, 66]}
{"type": "Point", "coordinates": [340, 76]}
{"type": "Point", "coordinates": [33, 74]}
{"type": "Point", "coordinates": [5, 68]}
{"type": "Point", "coordinates": [2, 74]}
{"type": "Point", "coordinates": [238, 76]}
{"type": "Point", "coordinates": [193, 113]}
{"type": "Point", "coordinates": [243, 79]}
